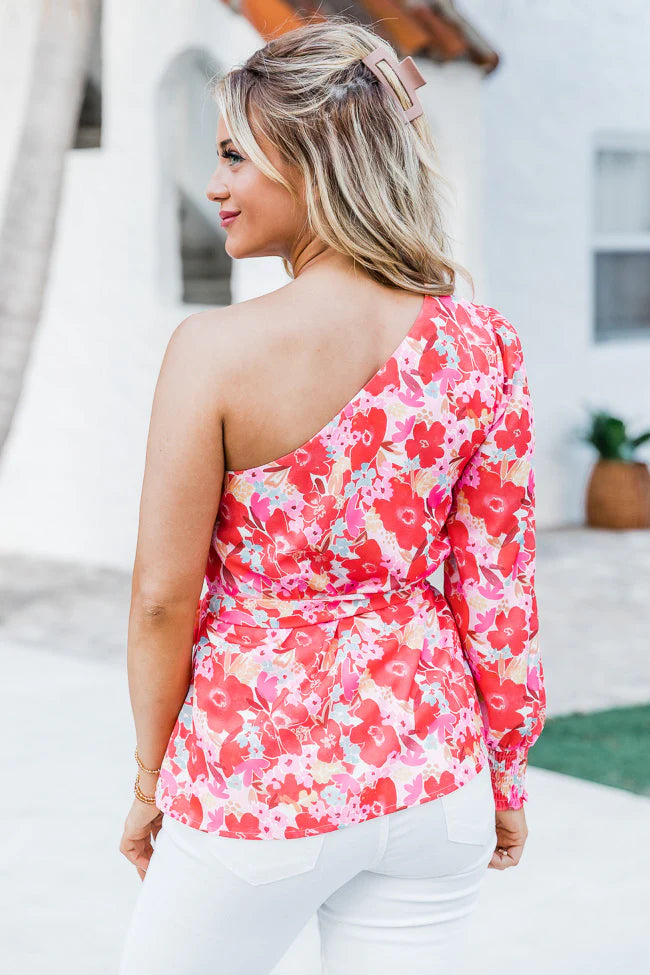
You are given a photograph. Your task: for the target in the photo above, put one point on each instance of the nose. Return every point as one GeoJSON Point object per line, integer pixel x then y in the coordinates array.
{"type": "Point", "coordinates": [215, 190]}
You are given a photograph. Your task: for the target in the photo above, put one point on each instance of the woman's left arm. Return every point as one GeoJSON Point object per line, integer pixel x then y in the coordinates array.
{"type": "Point", "coordinates": [181, 491]}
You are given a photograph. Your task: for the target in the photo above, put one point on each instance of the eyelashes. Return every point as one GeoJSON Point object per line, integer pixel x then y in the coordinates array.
{"type": "Point", "coordinates": [229, 154]}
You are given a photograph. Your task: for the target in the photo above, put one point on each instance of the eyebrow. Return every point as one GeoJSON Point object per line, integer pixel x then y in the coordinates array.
{"type": "Point", "coordinates": [222, 145]}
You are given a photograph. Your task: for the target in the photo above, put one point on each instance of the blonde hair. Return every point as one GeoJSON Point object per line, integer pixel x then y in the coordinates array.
{"type": "Point", "coordinates": [371, 180]}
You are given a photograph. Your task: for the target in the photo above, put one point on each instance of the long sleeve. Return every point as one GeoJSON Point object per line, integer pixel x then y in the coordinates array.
{"type": "Point", "coordinates": [489, 576]}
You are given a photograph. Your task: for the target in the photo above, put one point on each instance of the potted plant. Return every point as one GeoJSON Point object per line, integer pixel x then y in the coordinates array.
{"type": "Point", "coordinates": [618, 490]}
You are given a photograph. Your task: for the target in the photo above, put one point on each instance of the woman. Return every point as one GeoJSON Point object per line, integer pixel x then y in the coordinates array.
{"type": "Point", "coordinates": [325, 695]}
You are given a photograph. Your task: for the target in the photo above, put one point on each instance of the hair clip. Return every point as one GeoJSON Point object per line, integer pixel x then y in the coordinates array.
{"type": "Point", "coordinates": [408, 73]}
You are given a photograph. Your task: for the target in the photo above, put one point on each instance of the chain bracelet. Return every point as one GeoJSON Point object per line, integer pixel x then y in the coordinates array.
{"type": "Point", "coordinates": [144, 767]}
{"type": "Point", "coordinates": [150, 800]}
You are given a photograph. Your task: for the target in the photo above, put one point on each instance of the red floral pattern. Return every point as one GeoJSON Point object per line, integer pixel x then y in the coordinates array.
{"type": "Point", "coordinates": [332, 682]}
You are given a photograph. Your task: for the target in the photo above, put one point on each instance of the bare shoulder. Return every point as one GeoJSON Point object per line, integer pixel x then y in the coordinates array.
{"type": "Point", "coordinates": [228, 353]}
{"type": "Point", "coordinates": [238, 335]}
{"type": "Point", "coordinates": [253, 316]}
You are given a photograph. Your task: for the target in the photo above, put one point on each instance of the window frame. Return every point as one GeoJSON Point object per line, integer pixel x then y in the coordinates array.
{"type": "Point", "coordinates": [615, 242]}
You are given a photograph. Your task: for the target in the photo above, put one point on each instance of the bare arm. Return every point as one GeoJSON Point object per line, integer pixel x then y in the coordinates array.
{"type": "Point", "coordinates": [181, 492]}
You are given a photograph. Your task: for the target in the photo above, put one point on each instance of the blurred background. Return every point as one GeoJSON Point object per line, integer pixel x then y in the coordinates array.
{"type": "Point", "coordinates": [539, 110]}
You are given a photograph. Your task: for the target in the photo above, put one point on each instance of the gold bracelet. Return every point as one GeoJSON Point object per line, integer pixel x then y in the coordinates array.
{"type": "Point", "coordinates": [151, 800]}
{"type": "Point", "coordinates": [143, 767]}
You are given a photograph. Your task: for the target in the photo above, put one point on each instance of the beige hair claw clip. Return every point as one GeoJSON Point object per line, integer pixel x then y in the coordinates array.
{"type": "Point", "coordinates": [407, 72]}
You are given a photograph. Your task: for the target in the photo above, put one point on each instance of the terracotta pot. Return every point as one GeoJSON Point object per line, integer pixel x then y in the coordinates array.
{"type": "Point", "coordinates": [618, 494]}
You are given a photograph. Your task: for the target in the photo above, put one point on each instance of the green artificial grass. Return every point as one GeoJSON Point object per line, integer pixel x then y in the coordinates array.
{"type": "Point", "coordinates": [611, 747]}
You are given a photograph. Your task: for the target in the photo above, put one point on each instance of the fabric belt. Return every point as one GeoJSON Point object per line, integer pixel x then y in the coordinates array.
{"type": "Point", "coordinates": [275, 612]}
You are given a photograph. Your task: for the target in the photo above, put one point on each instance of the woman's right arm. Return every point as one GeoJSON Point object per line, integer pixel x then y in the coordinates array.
{"type": "Point", "coordinates": [489, 578]}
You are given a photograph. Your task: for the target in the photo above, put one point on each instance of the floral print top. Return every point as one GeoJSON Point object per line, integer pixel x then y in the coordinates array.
{"type": "Point", "coordinates": [332, 682]}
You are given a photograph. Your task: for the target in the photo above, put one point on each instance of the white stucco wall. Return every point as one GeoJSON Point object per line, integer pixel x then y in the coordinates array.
{"type": "Point", "coordinates": [568, 72]}
{"type": "Point", "coordinates": [18, 29]}
{"type": "Point", "coordinates": [71, 472]}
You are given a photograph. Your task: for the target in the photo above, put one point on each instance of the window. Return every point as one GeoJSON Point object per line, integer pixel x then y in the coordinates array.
{"type": "Point", "coordinates": [89, 124]}
{"type": "Point", "coordinates": [195, 267]}
{"type": "Point", "coordinates": [205, 265]}
{"type": "Point", "coordinates": [622, 238]}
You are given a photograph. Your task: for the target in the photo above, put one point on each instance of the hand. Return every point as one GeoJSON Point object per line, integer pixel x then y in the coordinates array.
{"type": "Point", "coordinates": [142, 824]}
{"type": "Point", "coordinates": [511, 836]}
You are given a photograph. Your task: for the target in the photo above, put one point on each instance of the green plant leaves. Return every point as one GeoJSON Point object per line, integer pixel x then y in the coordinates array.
{"type": "Point", "coordinates": [609, 436]}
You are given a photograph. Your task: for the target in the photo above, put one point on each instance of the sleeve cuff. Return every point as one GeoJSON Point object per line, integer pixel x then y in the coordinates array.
{"type": "Point", "coordinates": [508, 772]}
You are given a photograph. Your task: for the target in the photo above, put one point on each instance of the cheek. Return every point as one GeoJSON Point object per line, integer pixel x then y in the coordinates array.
{"type": "Point", "coordinates": [269, 212]}
{"type": "Point", "coordinates": [269, 199]}
{"type": "Point", "coordinates": [251, 196]}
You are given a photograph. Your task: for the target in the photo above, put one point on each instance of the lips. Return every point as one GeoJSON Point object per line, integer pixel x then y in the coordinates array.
{"type": "Point", "coordinates": [227, 216]}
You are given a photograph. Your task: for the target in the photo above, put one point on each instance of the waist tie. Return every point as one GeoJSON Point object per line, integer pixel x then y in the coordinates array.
{"type": "Point", "coordinates": [276, 612]}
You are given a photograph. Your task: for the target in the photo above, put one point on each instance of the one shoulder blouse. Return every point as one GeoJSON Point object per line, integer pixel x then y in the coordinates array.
{"type": "Point", "coordinates": [332, 682]}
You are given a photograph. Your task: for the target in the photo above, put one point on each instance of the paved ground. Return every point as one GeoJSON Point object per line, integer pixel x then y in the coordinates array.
{"type": "Point", "coordinates": [579, 900]}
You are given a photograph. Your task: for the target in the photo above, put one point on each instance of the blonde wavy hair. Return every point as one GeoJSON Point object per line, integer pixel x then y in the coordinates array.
{"type": "Point", "coordinates": [371, 180]}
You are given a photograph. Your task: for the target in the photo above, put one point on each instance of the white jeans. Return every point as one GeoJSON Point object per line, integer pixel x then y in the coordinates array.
{"type": "Point", "coordinates": [391, 894]}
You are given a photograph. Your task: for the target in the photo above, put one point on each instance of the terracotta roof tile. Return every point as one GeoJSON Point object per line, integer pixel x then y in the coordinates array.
{"type": "Point", "coordinates": [270, 17]}
{"type": "Point", "coordinates": [395, 23]}
{"type": "Point", "coordinates": [429, 28]}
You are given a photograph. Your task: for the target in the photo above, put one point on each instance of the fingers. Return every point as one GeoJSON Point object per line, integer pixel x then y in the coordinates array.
{"type": "Point", "coordinates": [503, 858]}
{"type": "Point", "coordinates": [498, 861]}
{"type": "Point", "coordinates": [137, 852]}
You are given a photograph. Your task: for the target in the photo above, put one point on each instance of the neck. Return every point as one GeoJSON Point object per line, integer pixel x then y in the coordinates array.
{"type": "Point", "coordinates": [313, 254]}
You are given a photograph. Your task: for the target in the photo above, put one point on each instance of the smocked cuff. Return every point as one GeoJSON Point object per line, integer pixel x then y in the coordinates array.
{"type": "Point", "coordinates": [508, 772]}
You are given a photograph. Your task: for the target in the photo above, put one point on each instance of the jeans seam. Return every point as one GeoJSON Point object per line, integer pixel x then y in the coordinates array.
{"type": "Point", "coordinates": [383, 841]}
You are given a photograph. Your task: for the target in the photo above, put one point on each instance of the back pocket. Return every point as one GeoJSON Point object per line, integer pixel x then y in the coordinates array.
{"type": "Point", "coordinates": [470, 810]}
{"type": "Point", "coordinates": [253, 861]}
